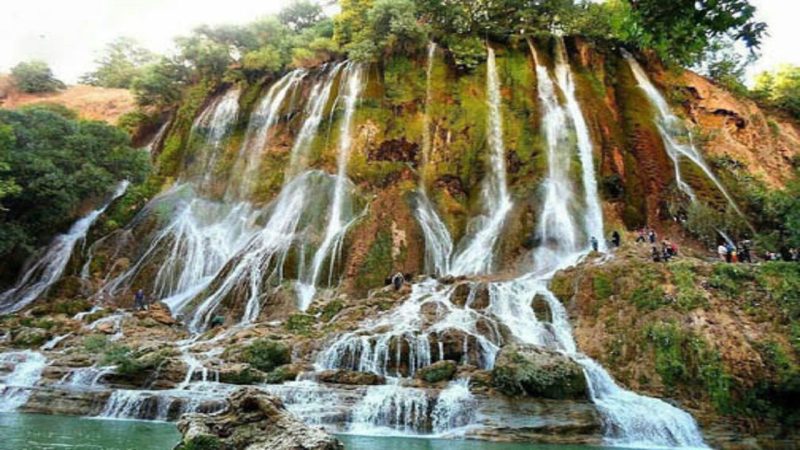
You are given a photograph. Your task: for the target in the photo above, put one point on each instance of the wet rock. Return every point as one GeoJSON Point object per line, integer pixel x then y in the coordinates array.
{"type": "Point", "coordinates": [476, 296]}
{"type": "Point", "coordinates": [241, 374]}
{"type": "Point", "coordinates": [541, 309]}
{"type": "Point", "coordinates": [30, 337]}
{"type": "Point", "coordinates": [350, 377]}
{"type": "Point", "coordinates": [452, 184]}
{"type": "Point", "coordinates": [158, 312]}
{"type": "Point", "coordinates": [395, 150]}
{"type": "Point", "coordinates": [287, 372]}
{"type": "Point", "coordinates": [253, 420]}
{"type": "Point", "coordinates": [438, 371]}
{"type": "Point", "coordinates": [536, 372]}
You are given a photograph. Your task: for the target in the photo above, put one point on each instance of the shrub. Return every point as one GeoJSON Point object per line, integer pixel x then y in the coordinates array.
{"type": "Point", "coordinates": [35, 76]}
{"type": "Point", "coordinates": [300, 323]}
{"type": "Point", "coordinates": [95, 343]}
{"type": "Point", "coordinates": [266, 354]}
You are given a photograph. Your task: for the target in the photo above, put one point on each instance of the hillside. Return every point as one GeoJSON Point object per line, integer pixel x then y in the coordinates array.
{"type": "Point", "coordinates": [90, 102]}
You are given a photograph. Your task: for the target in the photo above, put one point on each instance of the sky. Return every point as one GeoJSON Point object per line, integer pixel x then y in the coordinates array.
{"type": "Point", "coordinates": [70, 34]}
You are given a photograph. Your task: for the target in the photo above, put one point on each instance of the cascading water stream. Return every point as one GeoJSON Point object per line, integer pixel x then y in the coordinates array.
{"type": "Point", "coordinates": [216, 122]}
{"type": "Point", "coordinates": [677, 138]}
{"type": "Point", "coordinates": [338, 222]}
{"type": "Point", "coordinates": [476, 255]}
{"type": "Point", "coordinates": [43, 273]}
{"type": "Point", "coordinates": [271, 244]}
{"type": "Point", "coordinates": [266, 114]}
{"type": "Point", "coordinates": [438, 243]}
{"type": "Point", "coordinates": [558, 231]}
{"type": "Point", "coordinates": [594, 213]}
{"type": "Point", "coordinates": [27, 367]}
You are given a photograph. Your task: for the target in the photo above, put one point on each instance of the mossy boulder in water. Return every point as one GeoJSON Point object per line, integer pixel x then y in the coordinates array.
{"type": "Point", "coordinates": [439, 371]}
{"type": "Point", "coordinates": [253, 420]}
{"type": "Point", "coordinates": [537, 372]}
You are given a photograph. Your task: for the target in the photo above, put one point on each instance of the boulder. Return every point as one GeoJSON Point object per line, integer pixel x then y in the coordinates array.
{"type": "Point", "coordinates": [537, 372]}
{"type": "Point", "coordinates": [439, 371]}
{"type": "Point", "coordinates": [350, 377]}
{"type": "Point", "coordinates": [253, 420]}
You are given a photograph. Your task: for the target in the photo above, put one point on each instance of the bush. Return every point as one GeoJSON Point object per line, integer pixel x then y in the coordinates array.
{"type": "Point", "coordinates": [201, 442]}
{"type": "Point", "coordinates": [122, 357]}
{"type": "Point", "coordinates": [266, 354]}
{"type": "Point", "coordinates": [95, 343]}
{"type": "Point", "coordinates": [34, 77]}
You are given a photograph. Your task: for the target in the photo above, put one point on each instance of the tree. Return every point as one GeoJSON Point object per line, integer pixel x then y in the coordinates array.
{"type": "Point", "coordinates": [682, 30]}
{"type": "Point", "coordinates": [160, 83]}
{"type": "Point", "coordinates": [301, 14]}
{"type": "Point", "coordinates": [780, 88]}
{"type": "Point", "coordinates": [727, 66]}
{"type": "Point", "coordinates": [122, 61]}
{"type": "Point", "coordinates": [35, 76]}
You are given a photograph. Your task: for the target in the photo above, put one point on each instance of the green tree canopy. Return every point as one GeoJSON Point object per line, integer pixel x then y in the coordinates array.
{"type": "Point", "coordinates": [35, 76]}
{"type": "Point", "coordinates": [121, 62]}
{"type": "Point", "coordinates": [54, 164]}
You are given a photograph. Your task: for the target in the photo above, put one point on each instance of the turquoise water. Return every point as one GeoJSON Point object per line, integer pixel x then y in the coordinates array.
{"type": "Point", "coordinates": [43, 432]}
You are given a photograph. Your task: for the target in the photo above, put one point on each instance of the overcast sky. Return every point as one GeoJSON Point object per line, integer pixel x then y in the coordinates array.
{"type": "Point", "coordinates": [68, 34]}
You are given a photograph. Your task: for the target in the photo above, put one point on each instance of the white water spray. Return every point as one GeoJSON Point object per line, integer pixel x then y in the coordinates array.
{"type": "Point", "coordinates": [42, 274]}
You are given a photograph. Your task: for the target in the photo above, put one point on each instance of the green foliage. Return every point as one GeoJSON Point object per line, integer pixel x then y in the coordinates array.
{"type": "Point", "coordinates": [122, 357]}
{"type": "Point", "coordinates": [266, 354]}
{"type": "Point", "coordinates": [122, 61]}
{"type": "Point", "coordinates": [649, 291]}
{"type": "Point", "coordinates": [301, 14]}
{"type": "Point", "coordinates": [300, 324]}
{"type": "Point", "coordinates": [688, 296]}
{"type": "Point", "coordinates": [780, 88]}
{"type": "Point", "coordinates": [378, 263]}
{"type": "Point", "coordinates": [468, 52]}
{"type": "Point", "coordinates": [201, 442]}
{"type": "Point", "coordinates": [35, 76]}
{"type": "Point", "coordinates": [370, 29]}
{"type": "Point", "coordinates": [603, 287]}
{"type": "Point", "coordinates": [160, 83]}
{"type": "Point", "coordinates": [60, 163]}
{"type": "Point", "coordinates": [331, 309]}
{"type": "Point", "coordinates": [95, 343]}
{"type": "Point", "coordinates": [682, 30]}
{"type": "Point", "coordinates": [682, 358]}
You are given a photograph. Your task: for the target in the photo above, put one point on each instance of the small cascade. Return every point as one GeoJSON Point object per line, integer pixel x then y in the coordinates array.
{"type": "Point", "coordinates": [476, 255]}
{"type": "Point", "coordinates": [214, 123]}
{"type": "Point", "coordinates": [26, 371]}
{"type": "Point", "coordinates": [438, 243]}
{"type": "Point", "coordinates": [85, 377]}
{"type": "Point", "coordinates": [47, 270]}
{"type": "Point", "coordinates": [266, 114]}
{"type": "Point", "coordinates": [115, 320]}
{"type": "Point", "coordinates": [163, 405]}
{"type": "Point", "coordinates": [455, 407]}
{"type": "Point", "coordinates": [426, 328]}
{"type": "Point", "coordinates": [676, 136]}
{"type": "Point", "coordinates": [317, 404]}
{"type": "Point", "coordinates": [594, 212]}
{"type": "Point", "coordinates": [154, 143]}
{"type": "Point", "coordinates": [338, 217]}
{"type": "Point", "coordinates": [558, 230]}
{"type": "Point", "coordinates": [53, 342]}
{"type": "Point", "coordinates": [392, 409]}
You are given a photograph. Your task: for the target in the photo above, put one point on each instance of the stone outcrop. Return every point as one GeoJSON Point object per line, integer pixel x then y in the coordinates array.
{"type": "Point", "coordinates": [537, 372]}
{"type": "Point", "coordinates": [253, 420]}
{"type": "Point", "coordinates": [350, 377]}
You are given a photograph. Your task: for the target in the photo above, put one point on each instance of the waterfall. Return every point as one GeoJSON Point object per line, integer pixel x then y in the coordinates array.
{"type": "Point", "coordinates": [43, 273]}
{"type": "Point", "coordinates": [594, 213]}
{"type": "Point", "coordinates": [677, 138]}
{"type": "Point", "coordinates": [268, 248]}
{"type": "Point", "coordinates": [158, 138]}
{"type": "Point", "coordinates": [438, 243]}
{"type": "Point", "coordinates": [27, 367]}
{"type": "Point", "coordinates": [85, 377]}
{"type": "Point", "coordinates": [476, 255]}
{"type": "Point", "coordinates": [215, 123]}
{"type": "Point", "coordinates": [338, 223]}
{"type": "Point", "coordinates": [257, 136]}
{"type": "Point", "coordinates": [557, 229]}
{"type": "Point", "coordinates": [455, 407]}
{"type": "Point", "coordinates": [390, 408]}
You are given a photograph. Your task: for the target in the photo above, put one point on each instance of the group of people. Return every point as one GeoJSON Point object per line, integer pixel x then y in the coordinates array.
{"type": "Point", "coordinates": [730, 253]}
{"type": "Point", "coordinates": [663, 253]}
{"type": "Point", "coordinates": [786, 253]}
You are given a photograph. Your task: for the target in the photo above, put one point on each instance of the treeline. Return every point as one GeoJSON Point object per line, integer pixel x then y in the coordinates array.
{"type": "Point", "coordinates": [51, 163]}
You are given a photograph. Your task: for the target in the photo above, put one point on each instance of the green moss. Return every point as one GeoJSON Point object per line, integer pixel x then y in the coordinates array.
{"type": "Point", "coordinates": [266, 354]}
{"type": "Point", "coordinates": [648, 293]}
{"type": "Point", "coordinates": [602, 286]}
{"type": "Point", "coordinates": [378, 262]}
{"type": "Point", "coordinates": [688, 296]}
{"type": "Point", "coordinates": [299, 323]}
{"type": "Point", "coordinates": [331, 309]}
{"type": "Point", "coordinates": [95, 343]}
{"type": "Point", "coordinates": [440, 371]}
{"type": "Point", "coordinates": [201, 442]}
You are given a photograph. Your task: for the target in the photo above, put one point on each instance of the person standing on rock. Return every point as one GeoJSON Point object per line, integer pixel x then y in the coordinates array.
{"type": "Point", "coordinates": [616, 239]}
{"type": "Point", "coordinates": [139, 300]}
{"type": "Point", "coordinates": [397, 281]}
{"type": "Point", "coordinates": [652, 236]}
{"type": "Point", "coordinates": [593, 240]}
{"type": "Point", "coordinates": [722, 251]}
